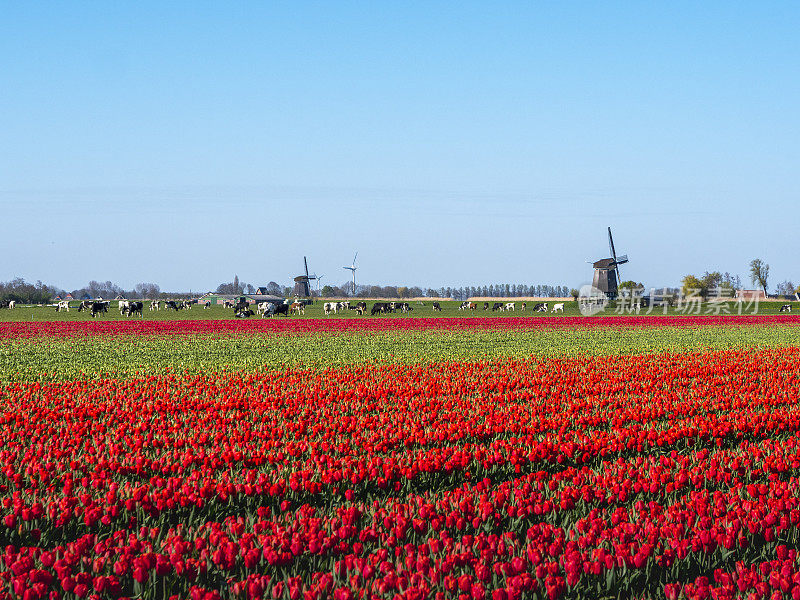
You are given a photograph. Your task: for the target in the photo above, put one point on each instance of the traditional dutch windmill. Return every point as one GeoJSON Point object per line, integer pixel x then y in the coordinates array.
{"type": "Point", "coordinates": [302, 286]}
{"type": "Point", "coordinates": [606, 271]}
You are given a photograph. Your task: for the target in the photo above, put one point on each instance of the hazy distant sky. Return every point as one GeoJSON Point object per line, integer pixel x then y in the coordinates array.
{"type": "Point", "coordinates": [449, 143]}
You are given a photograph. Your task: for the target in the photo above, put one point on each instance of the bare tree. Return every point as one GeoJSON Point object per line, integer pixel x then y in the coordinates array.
{"type": "Point", "coordinates": [759, 272]}
{"type": "Point", "coordinates": [149, 291]}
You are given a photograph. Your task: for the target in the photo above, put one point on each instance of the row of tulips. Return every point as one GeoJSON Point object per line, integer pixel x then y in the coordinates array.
{"type": "Point", "coordinates": [666, 475]}
{"type": "Point", "coordinates": [16, 330]}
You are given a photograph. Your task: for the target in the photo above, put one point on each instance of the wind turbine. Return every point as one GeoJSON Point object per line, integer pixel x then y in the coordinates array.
{"type": "Point", "coordinates": [318, 280]}
{"type": "Point", "coordinates": [353, 269]}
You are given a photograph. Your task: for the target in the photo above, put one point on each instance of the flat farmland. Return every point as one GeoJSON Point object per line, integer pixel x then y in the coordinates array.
{"type": "Point", "coordinates": [400, 457]}
{"type": "Point", "coordinates": [450, 308]}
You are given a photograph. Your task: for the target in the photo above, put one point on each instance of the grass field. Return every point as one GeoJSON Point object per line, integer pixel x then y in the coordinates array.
{"type": "Point", "coordinates": [314, 311]}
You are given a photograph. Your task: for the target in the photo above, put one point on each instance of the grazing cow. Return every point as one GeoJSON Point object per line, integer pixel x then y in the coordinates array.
{"type": "Point", "coordinates": [85, 305]}
{"type": "Point", "coordinates": [171, 305]}
{"type": "Point", "coordinates": [155, 305]}
{"type": "Point", "coordinates": [524, 306]}
{"type": "Point", "coordinates": [266, 309]}
{"type": "Point", "coordinates": [207, 304]}
{"type": "Point", "coordinates": [228, 304]}
{"type": "Point", "coordinates": [510, 306]}
{"type": "Point", "coordinates": [99, 307]}
{"type": "Point", "coordinates": [329, 307]}
{"type": "Point", "coordinates": [63, 305]}
{"type": "Point", "coordinates": [362, 306]}
{"type": "Point", "coordinates": [187, 305]}
{"type": "Point", "coordinates": [297, 307]}
{"type": "Point", "coordinates": [786, 308]}
{"type": "Point", "coordinates": [243, 314]}
{"type": "Point", "coordinates": [497, 306]}
{"type": "Point", "coordinates": [437, 307]}
{"type": "Point", "coordinates": [123, 306]}
{"type": "Point", "coordinates": [282, 309]}
{"type": "Point", "coordinates": [464, 306]}
{"type": "Point", "coordinates": [12, 303]}
{"type": "Point", "coordinates": [404, 307]}
{"type": "Point", "coordinates": [240, 306]}
{"type": "Point", "coordinates": [559, 307]}
{"type": "Point", "coordinates": [540, 307]}
{"type": "Point", "coordinates": [358, 308]}
{"type": "Point", "coordinates": [380, 308]}
{"type": "Point", "coordinates": [485, 306]}
{"type": "Point", "coordinates": [134, 308]}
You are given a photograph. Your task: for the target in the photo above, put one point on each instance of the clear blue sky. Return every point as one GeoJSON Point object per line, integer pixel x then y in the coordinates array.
{"type": "Point", "coordinates": [449, 143]}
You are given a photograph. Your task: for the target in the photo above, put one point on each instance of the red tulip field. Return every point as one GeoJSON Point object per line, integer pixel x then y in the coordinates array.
{"type": "Point", "coordinates": [499, 461]}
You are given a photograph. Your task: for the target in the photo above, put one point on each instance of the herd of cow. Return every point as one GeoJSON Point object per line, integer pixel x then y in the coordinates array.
{"type": "Point", "coordinates": [242, 310]}
{"type": "Point", "coordinates": [129, 308]}
{"type": "Point", "coordinates": [507, 306]}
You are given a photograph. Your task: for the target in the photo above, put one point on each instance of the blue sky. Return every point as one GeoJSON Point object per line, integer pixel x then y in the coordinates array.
{"type": "Point", "coordinates": [449, 143]}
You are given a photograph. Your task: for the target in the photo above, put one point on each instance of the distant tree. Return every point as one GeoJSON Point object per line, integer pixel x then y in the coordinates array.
{"type": "Point", "coordinates": [491, 291]}
{"type": "Point", "coordinates": [759, 273]}
{"type": "Point", "coordinates": [97, 289]}
{"type": "Point", "coordinates": [630, 288]}
{"type": "Point", "coordinates": [574, 293]}
{"type": "Point", "coordinates": [402, 292]}
{"type": "Point", "coordinates": [327, 291]}
{"type": "Point", "coordinates": [415, 292]}
{"type": "Point", "coordinates": [273, 288]}
{"type": "Point", "coordinates": [431, 293]}
{"type": "Point", "coordinates": [249, 289]}
{"type": "Point", "coordinates": [149, 291]}
{"type": "Point", "coordinates": [225, 288]}
{"type": "Point", "coordinates": [236, 288]}
{"type": "Point", "coordinates": [27, 293]}
{"type": "Point", "coordinates": [691, 284]}
{"type": "Point", "coordinates": [711, 283]}
{"type": "Point", "coordinates": [786, 288]}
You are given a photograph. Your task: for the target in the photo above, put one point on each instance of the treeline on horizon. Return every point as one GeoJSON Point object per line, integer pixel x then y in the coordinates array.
{"type": "Point", "coordinates": [39, 293]}
{"type": "Point", "coordinates": [495, 290]}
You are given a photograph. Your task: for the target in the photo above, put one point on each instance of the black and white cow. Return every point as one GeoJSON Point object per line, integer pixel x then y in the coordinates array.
{"type": "Point", "coordinates": [437, 307]}
{"type": "Point", "coordinates": [99, 307]}
{"type": "Point", "coordinates": [497, 306]}
{"type": "Point", "coordinates": [244, 314]}
{"type": "Point", "coordinates": [134, 308]}
{"type": "Point", "coordinates": [171, 305]}
{"type": "Point", "coordinates": [786, 308]}
{"type": "Point", "coordinates": [540, 307]}
{"type": "Point", "coordinates": [380, 308]}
